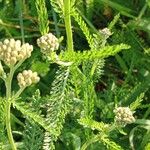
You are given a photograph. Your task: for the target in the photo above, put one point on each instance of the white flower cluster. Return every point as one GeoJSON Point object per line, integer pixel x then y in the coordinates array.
{"type": "Point", "coordinates": [105, 32]}
{"type": "Point", "coordinates": [12, 51]}
{"type": "Point", "coordinates": [124, 115]}
{"type": "Point", "coordinates": [48, 43]}
{"type": "Point", "coordinates": [27, 77]}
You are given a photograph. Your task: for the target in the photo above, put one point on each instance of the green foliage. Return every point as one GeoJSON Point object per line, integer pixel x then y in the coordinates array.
{"type": "Point", "coordinates": [42, 16]}
{"type": "Point", "coordinates": [78, 57]}
{"type": "Point", "coordinates": [122, 9]}
{"type": "Point", "coordinates": [58, 6]}
{"type": "Point", "coordinates": [147, 147]}
{"type": "Point", "coordinates": [89, 8]}
{"type": "Point", "coordinates": [73, 140]}
{"type": "Point", "coordinates": [3, 139]}
{"type": "Point", "coordinates": [100, 126]}
{"type": "Point", "coordinates": [110, 144]}
{"type": "Point", "coordinates": [33, 136]}
{"type": "Point", "coordinates": [137, 102]}
{"type": "Point", "coordinates": [32, 114]}
{"type": "Point", "coordinates": [41, 68]}
{"type": "Point", "coordinates": [114, 21]}
{"type": "Point", "coordinates": [84, 28]}
{"type": "Point", "coordinates": [58, 105]}
{"type": "Point", "coordinates": [82, 83]}
{"type": "Point", "coordinates": [102, 137]}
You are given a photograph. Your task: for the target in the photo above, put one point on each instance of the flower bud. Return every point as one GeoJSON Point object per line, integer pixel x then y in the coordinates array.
{"type": "Point", "coordinates": [48, 43]}
{"type": "Point", "coordinates": [26, 78]}
{"type": "Point", "coordinates": [11, 51]}
{"type": "Point", "coordinates": [105, 32]}
{"type": "Point", "coordinates": [123, 115]}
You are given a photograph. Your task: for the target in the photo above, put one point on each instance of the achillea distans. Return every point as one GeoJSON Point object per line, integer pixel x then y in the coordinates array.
{"type": "Point", "coordinates": [48, 43]}
{"type": "Point", "coordinates": [123, 115]}
{"type": "Point", "coordinates": [26, 78]}
{"type": "Point", "coordinates": [12, 51]}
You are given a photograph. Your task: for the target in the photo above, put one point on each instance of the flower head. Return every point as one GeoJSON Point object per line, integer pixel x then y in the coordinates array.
{"type": "Point", "coordinates": [48, 43]}
{"type": "Point", "coordinates": [12, 51]}
{"type": "Point", "coordinates": [27, 77]}
{"type": "Point", "coordinates": [123, 115]}
{"type": "Point", "coordinates": [106, 32]}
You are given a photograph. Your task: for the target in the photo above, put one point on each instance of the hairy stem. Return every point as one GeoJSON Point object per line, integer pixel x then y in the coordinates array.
{"type": "Point", "coordinates": [18, 93]}
{"type": "Point", "coordinates": [8, 83]}
{"type": "Point", "coordinates": [142, 11]}
{"type": "Point", "coordinates": [8, 126]}
{"type": "Point", "coordinates": [8, 106]}
{"type": "Point", "coordinates": [68, 25]}
{"type": "Point", "coordinates": [90, 141]}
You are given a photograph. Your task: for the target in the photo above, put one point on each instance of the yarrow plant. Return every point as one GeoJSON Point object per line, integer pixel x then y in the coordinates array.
{"type": "Point", "coordinates": [75, 88]}
{"type": "Point", "coordinates": [13, 54]}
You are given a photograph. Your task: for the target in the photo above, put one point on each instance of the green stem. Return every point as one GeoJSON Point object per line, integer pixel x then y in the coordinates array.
{"type": "Point", "coordinates": [90, 141]}
{"type": "Point", "coordinates": [67, 20]}
{"type": "Point", "coordinates": [8, 126]}
{"type": "Point", "coordinates": [8, 83]}
{"type": "Point", "coordinates": [142, 11]}
{"type": "Point", "coordinates": [18, 93]}
{"type": "Point", "coordinates": [8, 106]}
{"type": "Point", "coordinates": [98, 137]}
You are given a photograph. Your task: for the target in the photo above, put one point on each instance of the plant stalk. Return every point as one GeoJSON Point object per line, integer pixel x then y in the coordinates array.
{"type": "Point", "coordinates": [8, 106]}
{"type": "Point", "coordinates": [8, 126]}
{"type": "Point", "coordinates": [67, 19]}
{"type": "Point", "coordinates": [90, 141]}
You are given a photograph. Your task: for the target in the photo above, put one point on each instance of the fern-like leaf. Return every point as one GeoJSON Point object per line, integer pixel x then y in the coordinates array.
{"type": "Point", "coordinates": [94, 125]}
{"type": "Point", "coordinates": [57, 107]}
{"type": "Point", "coordinates": [97, 69]}
{"type": "Point", "coordinates": [3, 138]}
{"type": "Point", "coordinates": [29, 112]}
{"type": "Point", "coordinates": [84, 28]}
{"type": "Point", "coordinates": [137, 103]}
{"type": "Point", "coordinates": [111, 145]}
{"type": "Point", "coordinates": [114, 21]}
{"type": "Point", "coordinates": [42, 16]}
{"type": "Point", "coordinates": [58, 6]}
{"type": "Point", "coordinates": [103, 138]}
{"type": "Point", "coordinates": [33, 136]}
{"type": "Point", "coordinates": [78, 57]}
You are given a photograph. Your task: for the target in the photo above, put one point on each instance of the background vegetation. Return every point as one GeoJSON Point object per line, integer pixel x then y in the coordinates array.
{"type": "Point", "coordinates": [71, 108]}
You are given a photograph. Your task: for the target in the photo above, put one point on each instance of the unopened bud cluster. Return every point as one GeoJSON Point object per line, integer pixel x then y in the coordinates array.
{"type": "Point", "coordinates": [48, 43]}
{"type": "Point", "coordinates": [27, 77]}
{"type": "Point", "coordinates": [12, 51]}
{"type": "Point", "coordinates": [123, 115]}
{"type": "Point", "coordinates": [105, 32]}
